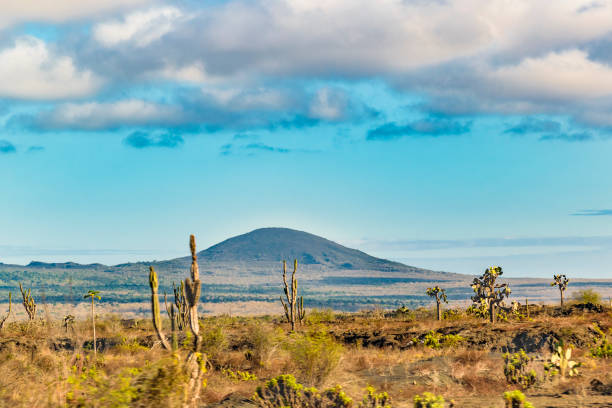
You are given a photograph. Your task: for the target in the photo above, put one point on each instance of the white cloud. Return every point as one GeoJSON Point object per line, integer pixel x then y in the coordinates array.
{"type": "Point", "coordinates": [328, 104]}
{"type": "Point", "coordinates": [30, 70]}
{"type": "Point", "coordinates": [567, 75]}
{"type": "Point", "coordinates": [14, 12]}
{"type": "Point", "coordinates": [140, 28]}
{"type": "Point", "coordinates": [104, 115]}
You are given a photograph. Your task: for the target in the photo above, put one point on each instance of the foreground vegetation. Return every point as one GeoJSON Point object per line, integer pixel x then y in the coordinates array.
{"type": "Point", "coordinates": [489, 354]}
{"type": "Point", "coordinates": [404, 353]}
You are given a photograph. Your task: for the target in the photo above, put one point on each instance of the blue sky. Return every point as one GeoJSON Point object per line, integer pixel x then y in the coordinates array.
{"type": "Point", "coordinates": [450, 135]}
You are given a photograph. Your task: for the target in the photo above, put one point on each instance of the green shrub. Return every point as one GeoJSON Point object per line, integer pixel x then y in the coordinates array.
{"type": "Point", "coordinates": [264, 340]}
{"type": "Point", "coordinates": [602, 348]}
{"type": "Point", "coordinates": [318, 316]}
{"type": "Point", "coordinates": [435, 340]}
{"type": "Point", "coordinates": [315, 354]}
{"type": "Point", "coordinates": [374, 400]}
{"type": "Point", "coordinates": [516, 399]}
{"type": "Point", "coordinates": [213, 343]}
{"type": "Point", "coordinates": [517, 371]}
{"type": "Point", "coordinates": [428, 400]}
{"type": "Point", "coordinates": [587, 296]}
{"type": "Point", "coordinates": [284, 391]}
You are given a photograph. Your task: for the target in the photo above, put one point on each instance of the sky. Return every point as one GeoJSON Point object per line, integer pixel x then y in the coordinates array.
{"type": "Point", "coordinates": [446, 134]}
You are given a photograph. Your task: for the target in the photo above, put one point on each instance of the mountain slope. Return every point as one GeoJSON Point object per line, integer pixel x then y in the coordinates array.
{"type": "Point", "coordinates": [276, 244]}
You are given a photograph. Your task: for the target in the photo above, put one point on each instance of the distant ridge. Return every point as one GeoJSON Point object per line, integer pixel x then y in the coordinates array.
{"type": "Point", "coordinates": [277, 244]}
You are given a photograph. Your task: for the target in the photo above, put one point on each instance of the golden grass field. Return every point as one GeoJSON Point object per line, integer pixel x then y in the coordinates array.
{"type": "Point", "coordinates": [44, 364]}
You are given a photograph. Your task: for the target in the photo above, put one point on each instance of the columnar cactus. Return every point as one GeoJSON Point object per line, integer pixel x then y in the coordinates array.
{"type": "Point", "coordinates": [294, 308]}
{"type": "Point", "coordinates": [561, 281]}
{"type": "Point", "coordinates": [487, 291]}
{"type": "Point", "coordinates": [28, 302]}
{"type": "Point", "coordinates": [157, 322]}
{"type": "Point", "coordinates": [440, 295]}
{"type": "Point", "coordinates": [4, 319]}
{"type": "Point", "coordinates": [195, 361]}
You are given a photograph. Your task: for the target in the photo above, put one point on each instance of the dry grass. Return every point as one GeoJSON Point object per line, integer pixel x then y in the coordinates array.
{"type": "Point", "coordinates": [45, 365]}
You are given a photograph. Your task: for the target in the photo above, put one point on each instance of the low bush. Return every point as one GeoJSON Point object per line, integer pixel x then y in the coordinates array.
{"type": "Point", "coordinates": [587, 296]}
{"type": "Point", "coordinates": [315, 353]}
{"type": "Point", "coordinates": [517, 370]}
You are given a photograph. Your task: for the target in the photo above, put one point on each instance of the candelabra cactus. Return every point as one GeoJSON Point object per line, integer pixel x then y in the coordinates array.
{"type": "Point", "coordinates": [561, 281]}
{"type": "Point", "coordinates": [181, 315]}
{"type": "Point", "coordinates": [28, 302]}
{"type": "Point", "coordinates": [488, 292]}
{"type": "Point", "coordinates": [195, 361]}
{"type": "Point", "coordinates": [294, 308]}
{"type": "Point", "coordinates": [440, 295]}
{"type": "Point", "coordinates": [5, 318]}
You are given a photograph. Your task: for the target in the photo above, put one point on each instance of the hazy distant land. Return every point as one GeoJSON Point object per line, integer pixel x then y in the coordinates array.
{"type": "Point", "coordinates": [242, 275]}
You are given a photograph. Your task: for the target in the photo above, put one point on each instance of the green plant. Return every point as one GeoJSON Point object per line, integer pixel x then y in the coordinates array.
{"type": "Point", "coordinates": [587, 296]}
{"type": "Point", "coordinates": [516, 399]}
{"type": "Point", "coordinates": [375, 400]}
{"type": "Point", "coordinates": [239, 375]}
{"type": "Point", "coordinates": [318, 316]}
{"type": "Point", "coordinates": [435, 340]}
{"type": "Point", "coordinates": [214, 343]}
{"type": "Point", "coordinates": [93, 294]}
{"type": "Point", "coordinates": [428, 400]}
{"type": "Point", "coordinates": [3, 320]}
{"type": "Point", "coordinates": [561, 281]}
{"type": "Point", "coordinates": [440, 296]}
{"type": "Point", "coordinates": [315, 354]}
{"type": "Point", "coordinates": [294, 308]}
{"type": "Point", "coordinates": [560, 362]}
{"type": "Point", "coordinates": [489, 293]}
{"type": "Point", "coordinates": [451, 314]}
{"type": "Point", "coordinates": [517, 370]}
{"type": "Point", "coordinates": [284, 391]}
{"type": "Point", "coordinates": [264, 340]}
{"type": "Point", "coordinates": [602, 348]}
{"type": "Point", "coordinates": [28, 302]}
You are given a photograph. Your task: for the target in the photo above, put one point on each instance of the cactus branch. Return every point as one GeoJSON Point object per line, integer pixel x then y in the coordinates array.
{"type": "Point", "coordinates": [157, 324]}
{"type": "Point", "coordinates": [28, 302]}
{"type": "Point", "coordinates": [3, 320]}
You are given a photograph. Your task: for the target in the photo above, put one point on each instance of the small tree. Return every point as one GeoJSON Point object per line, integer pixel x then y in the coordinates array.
{"type": "Point", "coordinates": [440, 295]}
{"type": "Point", "coordinates": [488, 292]}
{"type": "Point", "coordinates": [294, 308]}
{"type": "Point", "coordinates": [561, 281]}
{"type": "Point", "coordinates": [93, 294]}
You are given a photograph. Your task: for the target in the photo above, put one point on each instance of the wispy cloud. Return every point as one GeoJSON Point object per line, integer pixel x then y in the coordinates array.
{"type": "Point", "coordinates": [253, 148]}
{"type": "Point", "coordinates": [34, 149]}
{"type": "Point", "coordinates": [142, 140]}
{"type": "Point", "coordinates": [533, 125]}
{"type": "Point", "coordinates": [7, 147]}
{"type": "Point", "coordinates": [569, 137]}
{"type": "Point", "coordinates": [420, 128]}
{"type": "Point", "coordinates": [592, 213]}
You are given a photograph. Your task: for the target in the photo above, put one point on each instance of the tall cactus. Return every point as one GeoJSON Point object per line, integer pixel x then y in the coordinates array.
{"type": "Point", "coordinates": [157, 322]}
{"type": "Point", "coordinates": [195, 362]}
{"type": "Point", "coordinates": [294, 308]}
{"type": "Point", "coordinates": [181, 315]}
{"type": "Point", "coordinates": [489, 292]}
{"type": "Point", "coordinates": [4, 319]}
{"type": "Point", "coordinates": [561, 281]}
{"type": "Point", "coordinates": [28, 302]}
{"type": "Point", "coordinates": [440, 295]}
